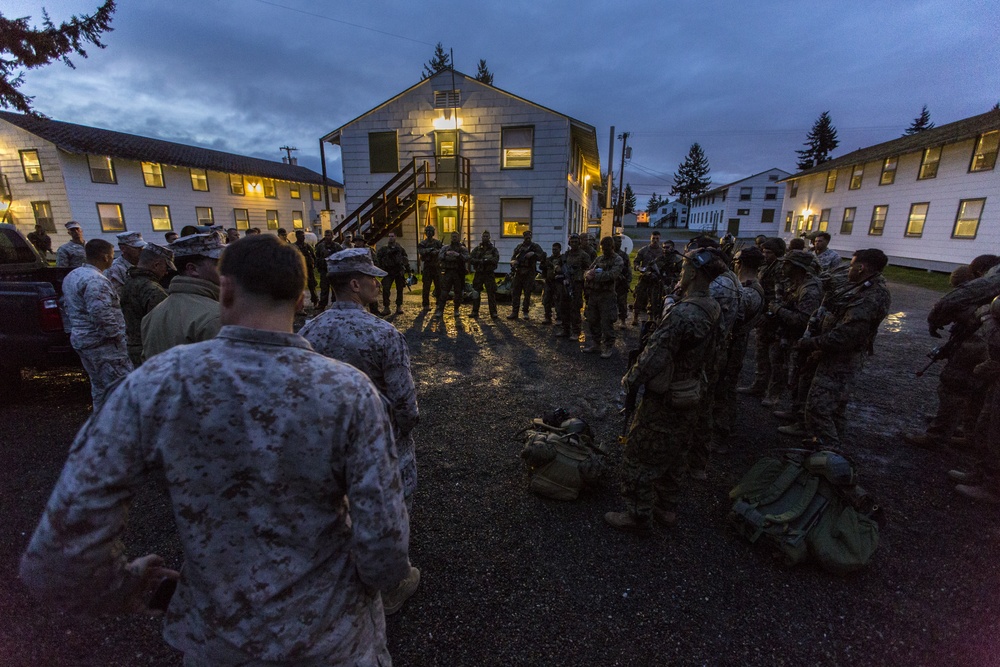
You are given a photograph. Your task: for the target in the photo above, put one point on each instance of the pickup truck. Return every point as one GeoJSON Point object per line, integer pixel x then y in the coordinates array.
{"type": "Point", "coordinates": [31, 327]}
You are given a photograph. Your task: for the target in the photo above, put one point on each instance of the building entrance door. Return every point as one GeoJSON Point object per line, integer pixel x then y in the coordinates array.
{"type": "Point", "coordinates": [734, 226]}
{"type": "Point", "coordinates": [445, 150]}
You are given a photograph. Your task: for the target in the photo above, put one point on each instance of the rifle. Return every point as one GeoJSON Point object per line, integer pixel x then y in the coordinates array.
{"type": "Point", "coordinates": [632, 397]}
{"type": "Point", "coordinates": [960, 332]}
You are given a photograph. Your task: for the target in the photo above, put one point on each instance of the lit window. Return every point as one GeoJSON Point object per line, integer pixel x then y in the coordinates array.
{"type": "Point", "coordinates": [383, 153]}
{"type": "Point", "coordinates": [272, 219]}
{"type": "Point", "coordinates": [31, 166]}
{"type": "Point", "coordinates": [831, 180]}
{"type": "Point", "coordinates": [199, 180]}
{"type": "Point", "coordinates": [296, 219]}
{"type": "Point", "coordinates": [293, 191]}
{"type": "Point", "coordinates": [112, 219]}
{"type": "Point", "coordinates": [918, 216]}
{"type": "Point", "coordinates": [102, 169]}
{"type": "Point", "coordinates": [824, 219]}
{"type": "Point", "coordinates": [316, 192]}
{"type": "Point", "coordinates": [236, 185]}
{"type": "Point", "coordinates": [205, 216]}
{"type": "Point", "coordinates": [888, 171]}
{"type": "Point", "coordinates": [967, 220]}
{"type": "Point", "coordinates": [152, 175]}
{"type": "Point", "coordinates": [929, 163]}
{"type": "Point", "coordinates": [793, 188]}
{"type": "Point", "coordinates": [771, 193]}
{"type": "Point", "coordinates": [877, 225]}
{"type": "Point", "coordinates": [767, 215]}
{"type": "Point", "coordinates": [788, 221]}
{"type": "Point", "coordinates": [517, 147]}
{"type": "Point", "coordinates": [984, 158]}
{"type": "Point", "coordinates": [447, 219]}
{"type": "Point", "coordinates": [856, 176]}
{"type": "Point", "coordinates": [746, 194]}
{"type": "Point", "coordinates": [515, 216]}
{"type": "Point", "coordinates": [43, 215]}
{"type": "Point", "coordinates": [800, 223]}
{"type": "Point", "coordinates": [335, 194]}
{"type": "Point", "coordinates": [160, 217]}
{"type": "Point", "coordinates": [242, 218]}
{"type": "Point", "coordinates": [847, 224]}
{"type": "Point", "coordinates": [270, 191]}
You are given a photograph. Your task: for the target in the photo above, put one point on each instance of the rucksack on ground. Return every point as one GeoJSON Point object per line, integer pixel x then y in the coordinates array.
{"type": "Point", "coordinates": [561, 457]}
{"type": "Point", "coordinates": [807, 506]}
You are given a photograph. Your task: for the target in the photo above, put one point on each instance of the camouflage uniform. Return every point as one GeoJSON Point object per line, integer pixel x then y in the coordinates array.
{"type": "Point", "coordinates": [602, 301]}
{"type": "Point", "coordinates": [453, 272]}
{"type": "Point", "coordinates": [97, 329]}
{"type": "Point", "coordinates": [791, 318]}
{"type": "Point", "coordinates": [310, 256]}
{"type": "Point", "coordinates": [649, 282]}
{"type": "Point", "coordinates": [574, 264]}
{"type": "Point", "coordinates": [118, 272]}
{"type": "Point", "coordinates": [766, 334]}
{"type": "Point", "coordinates": [71, 255]}
{"type": "Point", "coordinates": [751, 310]}
{"type": "Point", "coordinates": [524, 270]}
{"type": "Point", "coordinates": [550, 299]}
{"type": "Point", "coordinates": [846, 332]}
{"type": "Point", "coordinates": [139, 296]}
{"type": "Point", "coordinates": [655, 454]}
{"type": "Point", "coordinates": [429, 251]}
{"type": "Point", "coordinates": [829, 259]}
{"type": "Point", "coordinates": [288, 530]}
{"type": "Point", "coordinates": [623, 286]}
{"type": "Point", "coordinates": [393, 260]}
{"type": "Point", "coordinates": [189, 314]}
{"type": "Point", "coordinates": [324, 248]}
{"type": "Point", "coordinates": [484, 259]}
{"type": "Point", "coordinates": [348, 332]}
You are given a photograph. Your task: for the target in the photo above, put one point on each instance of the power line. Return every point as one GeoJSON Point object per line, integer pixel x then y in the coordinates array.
{"type": "Point", "coordinates": [353, 25]}
{"type": "Point", "coordinates": [693, 133]}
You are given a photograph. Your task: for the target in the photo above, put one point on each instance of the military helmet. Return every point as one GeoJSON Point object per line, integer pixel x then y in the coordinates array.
{"type": "Point", "coordinates": [429, 229]}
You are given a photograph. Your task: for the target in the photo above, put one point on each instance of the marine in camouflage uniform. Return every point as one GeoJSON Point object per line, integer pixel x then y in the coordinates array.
{"type": "Point", "coordinates": [623, 286]}
{"type": "Point", "coordinates": [800, 296]}
{"type": "Point", "coordinates": [392, 259]}
{"type": "Point", "coordinates": [847, 332]}
{"type": "Point", "coordinates": [142, 293]}
{"type": "Point", "coordinates": [325, 247]}
{"type": "Point", "coordinates": [602, 301]}
{"type": "Point", "coordinates": [453, 258]}
{"type": "Point", "coordinates": [549, 267]}
{"type": "Point", "coordinates": [429, 251]}
{"type": "Point", "coordinates": [523, 266]}
{"type": "Point", "coordinates": [484, 259]}
{"type": "Point", "coordinates": [649, 280]}
{"type": "Point", "coordinates": [574, 264]}
{"type": "Point", "coordinates": [654, 461]}
{"type": "Point", "coordinates": [130, 244]}
{"type": "Point", "coordinates": [96, 324]}
{"type": "Point", "coordinates": [309, 254]}
{"type": "Point", "coordinates": [71, 255]}
{"type": "Point", "coordinates": [766, 330]}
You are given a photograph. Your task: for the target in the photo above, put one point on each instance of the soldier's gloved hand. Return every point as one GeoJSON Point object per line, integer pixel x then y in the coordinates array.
{"type": "Point", "coordinates": [149, 573]}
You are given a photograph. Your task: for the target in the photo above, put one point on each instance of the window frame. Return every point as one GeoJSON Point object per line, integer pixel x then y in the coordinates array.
{"type": "Point", "coordinates": [924, 164]}
{"type": "Point", "coordinates": [888, 176]}
{"type": "Point", "coordinates": [38, 165]}
{"type": "Point", "coordinates": [47, 223]}
{"type": "Point", "coordinates": [824, 220]}
{"type": "Point", "coordinates": [297, 220]}
{"type": "Point", "coordinates": [857, 177]}
{"type": "Point", "coordinates": [236, 218]}
{"type": "Point", "coordinates": [771, 193]}
{"type": "Point", "coordinates": [110, 169]}
{"type": "Point", "coordinates": [789, 221]}
{"type": "Point", "coordinates": [958, 219]}
{"type": "Point", "coordinates": [874, 230]}
{"type": "Point", "coordinates": [211, 216]}
{"type": "Point", "coordinates": [831, 181]}
{"type": "Point", "coordinates": [907, 233]}
{"type": "Point", "coordinates": [294, 190]}
{"type": "Point", "coordinates": [121, 217]}
{"type": "Point", "coordinates": [746, 193]}
{"type": "Point", "coordinates": [205, 173]}
{"type": "Point", "coordinates": [990, 158]}
{"type": "Point", "coordinates": [233, 186]}
{"type": "Point", "coordinates": [158, 172]}
{"type": "Point", "coordinates": [516, 220]}
{"type": "Point", "coordinates": [317, 192]}
{"type": "Point", "coordinates": [276, 222]}
{"type": "Point", "coordinates": [847, 225]}
{"type": "Point", "coordinates": [793, 189]}
{"type": "Point", "coordinates": [269, 188]}
{"type": "Point", "coordinates": [742, 211]}
{"type": "Point", "coordinates": [380, 164]}
{"type": "Point", "coordinates": [763, 215]}
{"type": "Point", "coordinates": [504, 148]}
{"type": "Point", "coordinates": [169, 218]}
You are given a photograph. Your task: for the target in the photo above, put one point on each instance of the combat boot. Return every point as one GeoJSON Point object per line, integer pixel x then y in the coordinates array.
{"type": "Point", "coordinates": [786, 415]}
{"type": "Point", "coordinates": [923, 441]}
{"type": "Point", "coordinates": [607, 351]}
{"type": "Point", "coordinates": [626, 522]}
{"type": "Point", "coordinates": [590, 346]}
{"type": "Point", "coordinates": [392, 601]}
{"type": "Point", "coordinates": [562, 333]}
{"type": "Point", "coordinates": [795, 430]}
{"type": "Point", "coordinates": [665, 517]}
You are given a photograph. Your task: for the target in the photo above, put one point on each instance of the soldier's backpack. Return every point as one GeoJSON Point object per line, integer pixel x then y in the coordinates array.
{"type": "Point", "coordinates": [561, 457]}
{"type": "Point", "coordinates": [807, 506]}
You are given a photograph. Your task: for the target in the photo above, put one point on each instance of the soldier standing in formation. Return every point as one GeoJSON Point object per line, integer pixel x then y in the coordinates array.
{"type": "Point", "coordinates": [130, 244]}
{"type": "Point", "coordinates": [96, 324]}
{"type": "Point", "coordinates": [767, 327]}
{"type": "Point", "coordinates": [523, 265]}
{"type": "Point", "coordinates": [649, 285]}
{"type": "Point", "coordinates": [429, 251]}
{"type": "Point", "coordinates": [71, 254]}
{"type": "Point", "coordinates": [801, 294]}
{"type": "Point", "coordinates": [549, 266]}
{"type": "Point", "coordinates": [454, 258]}
{"type": "Point", "coordinates": [654, 461]}
{"type": "Point", "coordinates": [392, 259]}
{"type": "Point", "coordinates": [142, 293]}
{"type": "Point", "coordinates": [325, 247]}
{"type": "Point", "coordinates": [310, 256]}
{"type": "Point", "coordinates": [573, 267]}
{"type": "Point", "coordinates": [624, 285]}
{"type": "Point", "coordinates": [484, 259]}
{"type": "Point", "coordinates": [602, 301]}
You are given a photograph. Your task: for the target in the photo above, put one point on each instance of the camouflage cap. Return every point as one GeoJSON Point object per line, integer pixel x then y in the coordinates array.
{"type": "Point", "coordinates": [73, 224]}
{"type": "Point", "coordinates": [162, 253]}
{"type": "Point", "coordinates": [131, 239]}
{"type": "Point", "coordinates": [353, 260]}
{"type": "Point", "coordinates": [205, 245]}
{"type": "Point", "coordinates": [802, 259]}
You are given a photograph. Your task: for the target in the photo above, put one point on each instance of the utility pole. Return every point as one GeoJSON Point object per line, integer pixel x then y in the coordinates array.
{"type": "Point", "coordinates": [288, 152]}
{"type": "Point", "coordinates": [620, 206]}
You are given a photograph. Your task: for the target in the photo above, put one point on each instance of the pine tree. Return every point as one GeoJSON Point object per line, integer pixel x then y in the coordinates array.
{"type": "Point", "coordinates": [23, 48]}
{"type": "Point", "coordinates": [920, 123]}
{"type": "Point", "coordinates": [820, 142]}
{"type": "Point", "coordinates": [438, 63]}
{"type": "Point", "coordinates": [654, 203]}
{"type": "Point", "coordinates": [691, 178]}
{"type": "Point", "coordinates": [630, 200]}
{"type": "Point", "coordinates": [484, 74]}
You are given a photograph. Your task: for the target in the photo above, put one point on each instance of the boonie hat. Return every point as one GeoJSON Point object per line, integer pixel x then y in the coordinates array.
{"type": "Point", "coordinates": [131, 239]}
{"type": "Point", "coordinates": [206, 245]}
{"type": "Point", "coordinates": [162, 253]}
{"type": "Point", "coordinates": [353, 260]}
{"type": "Point", "coordinates": [73, 224]}
{"type": "Point", "coordinates": [801, 259]}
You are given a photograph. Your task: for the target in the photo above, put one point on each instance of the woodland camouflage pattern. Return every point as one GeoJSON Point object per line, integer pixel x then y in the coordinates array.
{"type": "Point", "coordinates": [262, 442]}
{"type": "Point", "coordinates": [141, 293]}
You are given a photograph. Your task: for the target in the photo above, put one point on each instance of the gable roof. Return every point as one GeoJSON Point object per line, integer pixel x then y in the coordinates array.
{"type": "Point", "coordinates": [82, 139]}
{"type": "Point", "coordinates": [951, 133]}
{"type": "Point", "coordinates": [585, 134]}
{"type": "Point", "coordinates": [729, 185]}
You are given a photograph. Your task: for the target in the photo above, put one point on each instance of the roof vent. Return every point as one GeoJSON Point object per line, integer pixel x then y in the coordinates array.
{"type": "Point", "coordinates": [447, 99]}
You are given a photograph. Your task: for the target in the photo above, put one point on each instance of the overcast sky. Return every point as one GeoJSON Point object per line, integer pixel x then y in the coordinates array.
{"type": "Point", "coordinates": [745, 78]}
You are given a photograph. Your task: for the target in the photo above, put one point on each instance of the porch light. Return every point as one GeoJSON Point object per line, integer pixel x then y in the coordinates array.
{"type": "Point", "coordinates": [253, 184]}
{"type": "Point", "coordinates": [450, 200]}
{"type": "Point", "coordinates": [807, 212]}
{"type": "Point", "coordinates": [444, 122]}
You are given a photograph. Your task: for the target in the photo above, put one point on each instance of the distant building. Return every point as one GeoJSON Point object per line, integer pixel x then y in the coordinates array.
{"type": "Point", "coordinates": [928, 200]}
{"type": "Point", "coordinates": [109, 182]}
{"type": "Point", "coordinates": [743, 208]}
{"type": "Point", "coordinates": [465, 156]}
{"type": "Point", "coordinates": [670, 215]}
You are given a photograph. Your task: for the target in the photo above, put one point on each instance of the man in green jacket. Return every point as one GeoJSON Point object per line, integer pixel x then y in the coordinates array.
{"type": "Point", "coordinates": [142, 292]}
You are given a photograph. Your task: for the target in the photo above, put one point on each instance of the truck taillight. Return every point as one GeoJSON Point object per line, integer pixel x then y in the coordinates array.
{"type": "Point", "coordinates": [49, 317]}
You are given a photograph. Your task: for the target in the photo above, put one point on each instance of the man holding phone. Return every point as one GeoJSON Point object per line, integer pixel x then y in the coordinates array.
{"type": "Point", "coordinates": [283, 476]}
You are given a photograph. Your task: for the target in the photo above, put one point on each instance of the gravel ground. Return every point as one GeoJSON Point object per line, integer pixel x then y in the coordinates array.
{"type": "Point", "coordinates": [512, 579]}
